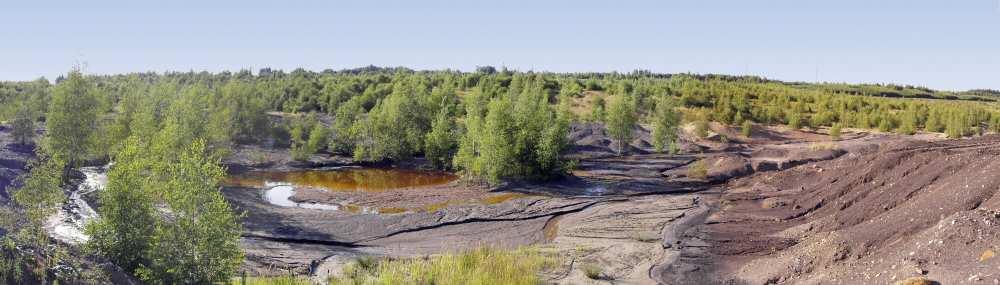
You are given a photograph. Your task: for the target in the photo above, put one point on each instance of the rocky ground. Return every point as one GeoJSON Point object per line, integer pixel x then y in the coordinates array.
{"type": "Point", "coordinates": [781, 206]}
{"type": "Point", "coordinates": [640, 218]}
{"type": "Point", "coordinates": [904, 209]}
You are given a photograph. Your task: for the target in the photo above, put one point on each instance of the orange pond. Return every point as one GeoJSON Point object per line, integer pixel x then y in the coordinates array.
{"type": "Point", "coordinates": [346, 179]}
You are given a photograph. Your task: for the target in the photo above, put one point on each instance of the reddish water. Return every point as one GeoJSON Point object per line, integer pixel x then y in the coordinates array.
{"type": "Point", "coordinates": [346, 179]}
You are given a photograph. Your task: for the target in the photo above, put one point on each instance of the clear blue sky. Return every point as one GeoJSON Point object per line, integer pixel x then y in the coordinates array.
{"type": "Point", "coordinates": [941, 44]}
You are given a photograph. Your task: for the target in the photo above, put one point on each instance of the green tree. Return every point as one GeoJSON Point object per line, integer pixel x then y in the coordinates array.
{"type": "Point", "coordinates": [794, 120]}
{"type": "Point", "coordinates": [23, 125]}
{"type": "Point", "coordinates": [665, 123]}
{"type": "Point", "coordinates": [123, 231]}
{"type": "Point", "coordinates": [71, 118]}
{"type": "Point", "coordinates": [302, 142]}
{"type": "Point", "coordinates": [198, 242]}
{"type": "Point", "coordinates": [440, 145]}
{"type": "Point", "coordinates": [346, 116]}
{"type": "Point", "coordinates": [933, 123]}
{"type": "Point", "coordinates": [317, 138]}
{"type": "Point", "coordinates": [701, 126]}
{"type": "Point", "coordinates": [746, 128]}
{"type": "Point", "coordinates": [496, 159]}
{"type": "Point", "coordinates": [391, 130]}
{"type": "Point", "coordinates": [908, 123]}
{"type": "Point", "coordinates": [835, 131]}
{"type": "Point", "coordinates": [597, 112]}
{"type": "Point", "coordinates": [621, 120]}
{"type": "Point", "coordinates": [553, 142]}
{"type": "Point", "coordinates": [40, 195]}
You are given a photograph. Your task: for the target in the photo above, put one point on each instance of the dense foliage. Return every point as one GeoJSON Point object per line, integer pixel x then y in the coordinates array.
{"type": "Point", "coordinates": [490, 124]}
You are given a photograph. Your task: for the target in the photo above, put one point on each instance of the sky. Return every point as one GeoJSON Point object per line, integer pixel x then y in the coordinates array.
{"type": "Point", "coordinates": [951, 45]}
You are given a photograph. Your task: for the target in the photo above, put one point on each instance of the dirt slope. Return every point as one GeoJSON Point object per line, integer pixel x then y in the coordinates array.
{"type": "Point", "coordinates": [871, 217]}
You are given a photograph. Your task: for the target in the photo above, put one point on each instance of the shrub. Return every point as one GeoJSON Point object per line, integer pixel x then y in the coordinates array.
{"type": "Point", "coordinates": [835, 132]}
{"type": "Point", "coordinates": [746, 128]}
{"type": "Point", "coordinates": [592, 271]}
{"type": "Point", "coordinates": [915, 281]}
{"type": "Point", "coordinates": [698, 169]}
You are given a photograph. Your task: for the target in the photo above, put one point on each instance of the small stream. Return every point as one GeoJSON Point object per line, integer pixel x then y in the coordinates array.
{"type": "Point", "coordinates": [67, 225]}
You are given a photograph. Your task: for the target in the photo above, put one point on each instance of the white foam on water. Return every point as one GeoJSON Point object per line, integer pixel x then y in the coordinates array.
{"type": "Point", "coordinates": [68, 223]}
{"type": "Point", "coordinates": [280, 194]}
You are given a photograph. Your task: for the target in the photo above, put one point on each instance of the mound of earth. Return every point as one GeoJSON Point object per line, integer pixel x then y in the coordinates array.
{"type": "Point", "coordinates": [875, 216]}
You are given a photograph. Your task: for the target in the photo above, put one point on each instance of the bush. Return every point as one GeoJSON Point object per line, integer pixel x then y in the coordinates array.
{"type": "Point", "coordinates": [915, 281]}
{"type": "Point", "coordinates": [701, 127]}
{"type": "Point", "coordinates": [835, 132]}
{"type": "Point", "coordinates": [746, 129]}
{"type": "Point", "coordinates": [592, 271]}
{"type": "Point", "coordinates": [698, 169]}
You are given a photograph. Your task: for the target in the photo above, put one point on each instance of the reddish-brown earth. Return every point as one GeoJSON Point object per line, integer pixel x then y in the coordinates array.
{"type": "Point", "coordinates": [904, 209]}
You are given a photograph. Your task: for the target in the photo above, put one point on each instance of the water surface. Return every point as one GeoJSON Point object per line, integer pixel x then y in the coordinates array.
{"type": "Point", "coordinates": [346, 179]}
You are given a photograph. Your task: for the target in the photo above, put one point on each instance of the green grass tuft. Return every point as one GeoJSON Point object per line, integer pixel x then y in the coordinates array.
{"type": "Point", "coordinates": [480, 266]}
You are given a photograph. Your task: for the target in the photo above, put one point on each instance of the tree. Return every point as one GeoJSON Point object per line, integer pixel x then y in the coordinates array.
{"type": "Point", "coordinates": [794, 120]}
{"type": "Point", "coordinates": [665, 123]}
{"type": "Point", "coordinates": [439, 145]}
{"type": "Point", "coordinates": [553, 142]}
{"type": "Point", "coordinates": [597, 112]}
{"type": "Point", "coordinates": [71, 118]}
{"type": "Point", "coordinates": [40, 195]}
{"type": "Point", "coordinates": [496, 159]}
{"type": "Point", "coordinates": [621, 120]}
{"type": "Point", "coordinates": [908, 123]}
{"type": "Point", "coordinates": [391, 130]}
{"type": "Point", "coordinates": [124, 229]}
{"type": "Point", "coordinates": [193, 240]}
{"type": "Point", "coordinates": [24, 125]}
{"type": "Point", "coordinates": [303, 143]}
{"type": "Point", "coordinates": [746, 128]}
{"type": "Point", "coordinates": [701, 126]}
{"type": "Point", "coordinates": [835, 131]}
{"type": "Point", "coordinates": [317, 138]}
{"type": "Point", "coordinates": [198, 242]}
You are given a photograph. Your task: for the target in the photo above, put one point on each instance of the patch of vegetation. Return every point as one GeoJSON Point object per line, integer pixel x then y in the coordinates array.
{"type": "Point", "coordinates": [915, 281]}
{"type": "Point", "coordinates": [822, 146]}
{"type": "Point", "coordinates": [592, 271]}
{"type": "Point", "coordinates": [698, 169]}
{"type": "Point", "coordinates": [835, 132]}
{"type": "Point", "coordinates": [480, 266]}
{"type": "Point", "coordinates": [746, 129]}
{"type": "Point", "coordinates": [280, 280]}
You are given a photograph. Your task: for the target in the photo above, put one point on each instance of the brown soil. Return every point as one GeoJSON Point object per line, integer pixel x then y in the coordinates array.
{"type": "Point", "coordinates": [906, 209]}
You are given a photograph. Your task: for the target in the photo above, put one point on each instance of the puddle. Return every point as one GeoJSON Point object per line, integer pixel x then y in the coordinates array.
{"type": "Point", "coordinates": [346, 179]}
{"type": "Point", "coordinates": [489, 200]}
{"type": "Point", "coordinates": [595, 191]}
{"type": "Point", "coordinates": [281, 194]}
{"type": "Point", "coordinates": [280, 186]}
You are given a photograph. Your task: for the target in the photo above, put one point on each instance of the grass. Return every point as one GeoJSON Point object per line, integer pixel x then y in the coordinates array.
{"type": "Point", "coordinates": [281, 280]}
{"type": "Point", "coordinates": [822, 146]}
{"type": "Point", "coordinates": [479, 266]}
{"type": "Point", "coordinates": [916, 281]}
{"type": "Point", "coordinates": [592, 271]}
{"type": "Point", "coordinates": [698, 169]}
